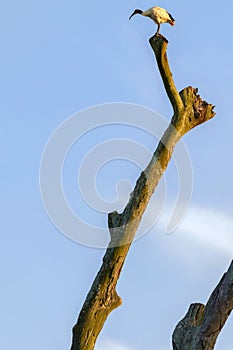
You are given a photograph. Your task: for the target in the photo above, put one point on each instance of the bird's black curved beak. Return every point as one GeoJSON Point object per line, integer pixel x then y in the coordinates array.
{"type": "Point", "coordinates": [135, 12]}
{"type": "Point", "coordinates": [132, 15]}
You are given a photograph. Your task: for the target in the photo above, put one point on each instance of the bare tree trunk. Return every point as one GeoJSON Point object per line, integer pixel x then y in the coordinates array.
{"type": "Point", "coordinates": [202, 324]}
{"type": "Point", "coordinates": [189, 111]}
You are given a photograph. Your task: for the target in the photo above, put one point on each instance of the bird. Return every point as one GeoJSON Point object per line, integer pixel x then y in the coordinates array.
{"type": "Point", "coordinates": [158, 15]}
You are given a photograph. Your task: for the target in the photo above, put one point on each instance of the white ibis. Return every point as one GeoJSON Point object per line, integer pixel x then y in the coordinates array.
{"type": "Point", "coordinates": [157, 14]}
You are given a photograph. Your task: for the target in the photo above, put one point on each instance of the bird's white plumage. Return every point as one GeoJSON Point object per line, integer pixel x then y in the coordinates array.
{"type": "Point", "coordinates": [158, 15]}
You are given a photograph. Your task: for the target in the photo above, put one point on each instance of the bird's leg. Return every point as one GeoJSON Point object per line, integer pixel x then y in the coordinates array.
{"type": "Point", "coordinates": [157, 32]}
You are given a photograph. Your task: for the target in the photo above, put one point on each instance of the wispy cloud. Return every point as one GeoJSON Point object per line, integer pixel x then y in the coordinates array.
{"type": "Point", "coordinates": [107, 344]}
{"type": "Point", "coordinates": [209, 227]}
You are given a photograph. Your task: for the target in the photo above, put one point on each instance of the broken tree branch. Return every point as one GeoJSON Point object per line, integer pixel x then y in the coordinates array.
{"type": "Point", "coordinates": [189, 111]}
{"type": "Point", "coordinates": [202, 324]}
{"type": "Point", "coordinates": [159, 45]}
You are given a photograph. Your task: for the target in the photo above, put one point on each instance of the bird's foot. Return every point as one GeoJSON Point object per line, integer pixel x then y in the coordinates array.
{"type": "Point", "coordinates": [158, 35]}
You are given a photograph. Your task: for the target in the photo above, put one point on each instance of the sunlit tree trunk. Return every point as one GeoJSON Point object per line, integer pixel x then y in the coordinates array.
{"type": "Point", "coordinates": [189, 111]}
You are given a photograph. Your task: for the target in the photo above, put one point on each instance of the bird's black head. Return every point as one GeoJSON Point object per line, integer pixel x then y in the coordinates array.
{"type": "Point", "coordinates": [136, 12]}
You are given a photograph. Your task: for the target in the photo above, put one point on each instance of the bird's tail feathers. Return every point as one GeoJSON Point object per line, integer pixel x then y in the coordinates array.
{"type": "Point", "coordinates": [171, 21]}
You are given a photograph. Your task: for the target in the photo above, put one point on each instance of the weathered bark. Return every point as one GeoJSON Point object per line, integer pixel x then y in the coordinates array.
{"type": "Point", "coordinates": [200, 327]}
{"type": "Point", "coordinates": [189, 111]}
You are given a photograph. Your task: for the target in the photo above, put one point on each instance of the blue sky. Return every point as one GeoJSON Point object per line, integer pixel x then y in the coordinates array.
{"type": "Point", "coordinates": [57, 59]}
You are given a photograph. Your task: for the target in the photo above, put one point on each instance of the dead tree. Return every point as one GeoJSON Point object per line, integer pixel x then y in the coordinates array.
{"type": "Point", "coordinates": [189, 111]}
{"type": "Point", "coordinates": [200, 327]}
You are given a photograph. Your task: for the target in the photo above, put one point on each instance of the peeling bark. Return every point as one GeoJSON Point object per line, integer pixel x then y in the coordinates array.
{"type": "Point", "coordinates": [189, 111]}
